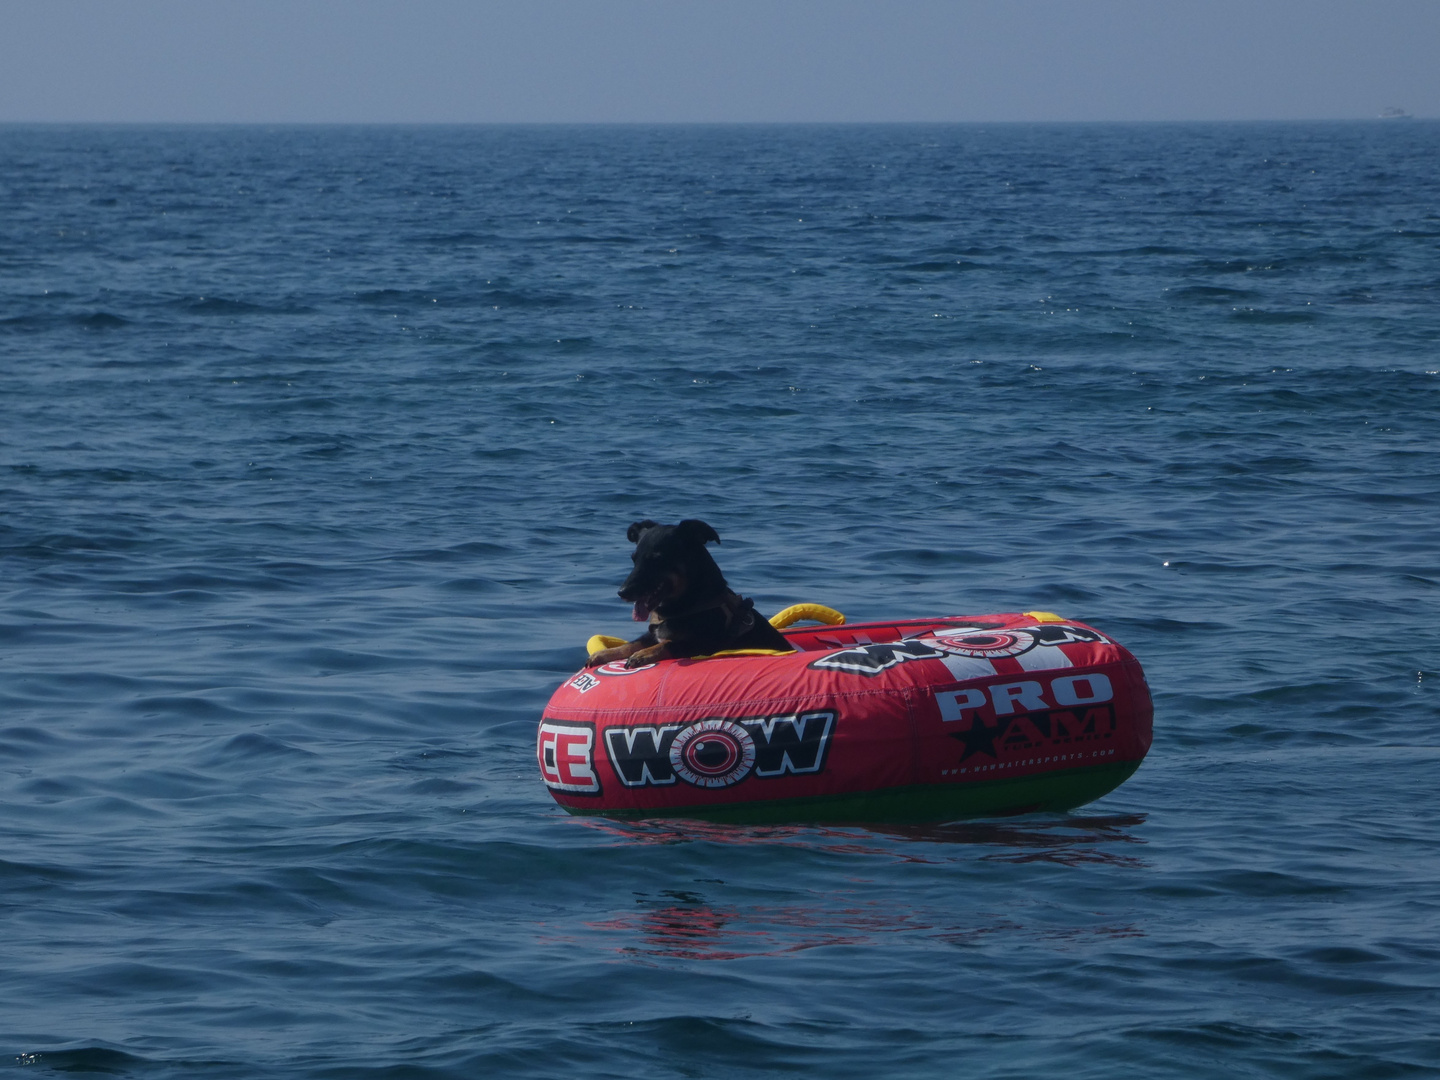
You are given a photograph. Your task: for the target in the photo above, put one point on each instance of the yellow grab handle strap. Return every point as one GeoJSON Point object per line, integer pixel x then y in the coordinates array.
{"type": "Point", "coordinates": [601, 641]}
{"type": "Point", "coordinates": [792, 614]}
{"type": "Point", "coordinates": [811, 612]}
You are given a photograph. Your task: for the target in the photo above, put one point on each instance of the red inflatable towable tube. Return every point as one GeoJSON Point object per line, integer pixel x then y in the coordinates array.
{"type": "Point", "coordinates": [913, 720]}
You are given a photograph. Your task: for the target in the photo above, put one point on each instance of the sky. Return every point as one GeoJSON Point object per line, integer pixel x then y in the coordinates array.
{"type": "Point", "coordinates": [648, 61]}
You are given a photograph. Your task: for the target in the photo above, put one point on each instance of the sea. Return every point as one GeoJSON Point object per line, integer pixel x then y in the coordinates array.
{"type": "Point", "coordinates": [318, 446]}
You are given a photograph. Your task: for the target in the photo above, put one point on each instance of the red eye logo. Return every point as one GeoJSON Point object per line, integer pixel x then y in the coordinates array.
{"type": "Point", "coordinates": [986, 644]}
{"type": "Point", "coordinates": [712, 754]}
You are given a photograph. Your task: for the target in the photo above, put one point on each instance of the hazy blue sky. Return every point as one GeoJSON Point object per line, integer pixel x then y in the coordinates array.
{"type": "Point", "coordinates": [725, 60]}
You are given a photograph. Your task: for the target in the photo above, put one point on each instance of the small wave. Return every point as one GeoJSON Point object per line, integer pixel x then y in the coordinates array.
{"type": "Point", "coordinates": [66, 544]}
{"type": "Point", "coordinates": [459, 239]}
{"type": "Point", "coordinates": [254, 745]}
{"type": "Point", "coordinates": [96, 1060]}
{"type": "Point", "coordinates": [219, 305]}
{"type": "Point", "coordinates": [1280, 318]}
{"type": "Point", "coordinates": [1211, 294]}
{"type": "Point", "coordinates": [618, 239]}
{"type": "Point", "coordinates": [93, 320]}
{"type": "Point", "coordinates": [936, 557]}
{"type": "Point", "coordinates": [955, 267]}
{"type": "Point", "coordinates": [1239, 266]}
{"type": "Point", "coordinates": [186, 706]}
{"type": "Point", "coordinates": [18, 742]}
{"type": "Point", "coordinates": [101, 320]}
{"type": "Point", "coordinates": [390, 296]}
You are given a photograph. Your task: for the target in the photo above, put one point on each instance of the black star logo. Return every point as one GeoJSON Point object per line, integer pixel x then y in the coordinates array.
{"type": "Point", "coordinates": [979, 739]}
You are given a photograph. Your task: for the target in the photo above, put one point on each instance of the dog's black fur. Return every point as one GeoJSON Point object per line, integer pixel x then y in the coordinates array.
{"type": "Point", "coordinates": [677, 587]}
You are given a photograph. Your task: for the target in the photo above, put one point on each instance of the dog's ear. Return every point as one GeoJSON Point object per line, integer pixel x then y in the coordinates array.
{"type": "Point", "coordinates": [633, 533]}
{"type": "Point", "coordinates": [698, 531]}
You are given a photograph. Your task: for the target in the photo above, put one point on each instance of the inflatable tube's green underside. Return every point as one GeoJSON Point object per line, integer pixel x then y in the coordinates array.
{"type": "Point", "coordinates": [927, 803]}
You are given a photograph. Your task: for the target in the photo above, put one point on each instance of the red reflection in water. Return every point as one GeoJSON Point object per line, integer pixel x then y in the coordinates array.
{"type": "Point", "coordinates": [701, 932]}
{"type": "Point", "coordinates": [694, 930]}
{"type": "Point", "coordinates": [684, 925]}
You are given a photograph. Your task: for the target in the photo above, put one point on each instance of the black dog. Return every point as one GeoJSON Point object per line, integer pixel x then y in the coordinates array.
{"type": "Point", "coordinates": [677, 587]}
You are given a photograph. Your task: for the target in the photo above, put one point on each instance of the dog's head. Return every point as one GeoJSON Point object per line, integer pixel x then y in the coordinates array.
{"type": "Point", "coordinates": [670, 563]}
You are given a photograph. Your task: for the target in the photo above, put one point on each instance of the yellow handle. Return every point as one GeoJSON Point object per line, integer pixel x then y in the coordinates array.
{"type": "Point", "coordinates": [792, 614]}
{"type": "Point", "coordinates": [807, 612]}
{"type": "Point", "coordinates": [601, 641]}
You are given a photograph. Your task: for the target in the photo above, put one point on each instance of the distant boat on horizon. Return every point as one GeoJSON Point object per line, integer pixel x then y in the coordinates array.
{"type": "Point", "coordinates": [1393, 113]}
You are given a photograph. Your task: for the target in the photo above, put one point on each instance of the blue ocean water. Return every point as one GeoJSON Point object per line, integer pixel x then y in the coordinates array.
{"type": "Point", "coordinates": [317, 449]}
